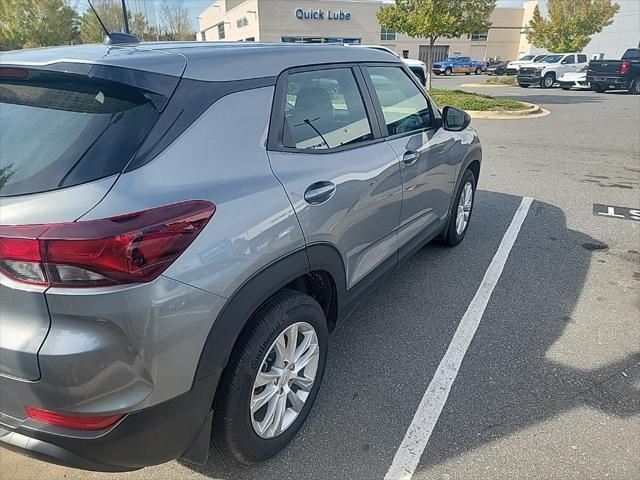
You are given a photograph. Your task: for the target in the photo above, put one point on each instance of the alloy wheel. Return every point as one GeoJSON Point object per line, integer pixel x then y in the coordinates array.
{"type": "Point", "coordinates": [464, 208]}
{"type": "Point", "coordinates": [285, 378]}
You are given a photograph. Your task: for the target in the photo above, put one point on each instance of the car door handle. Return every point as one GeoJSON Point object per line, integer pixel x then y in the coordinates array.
{"type": "Point", "coordinates": [410, 157]}
{"type": "Point", "coordinates": [319, 192]}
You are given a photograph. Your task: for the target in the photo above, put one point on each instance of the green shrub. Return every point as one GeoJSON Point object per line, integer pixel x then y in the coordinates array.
{"type": "Point", "coordinates": [473, 101]}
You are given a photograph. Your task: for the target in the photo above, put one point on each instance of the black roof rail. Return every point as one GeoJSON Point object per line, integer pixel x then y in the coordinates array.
{"type": "Point", "coordinates": [115, 38]}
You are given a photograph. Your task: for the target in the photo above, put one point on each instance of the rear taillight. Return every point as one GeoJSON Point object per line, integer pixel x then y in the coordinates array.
{"type": "Point", "coordinates": [132, 248]}
{"type": "Point", "coordinates": [624, 68]}
{"type": "Point", "coordinates": [76, 422]}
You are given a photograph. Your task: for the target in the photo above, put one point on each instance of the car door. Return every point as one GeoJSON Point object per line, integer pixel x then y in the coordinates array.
{"type": "Point", "coordinates": [428, 159]}
{"type": "Point", "coordinates": [568, 64]}
{"type": "Point", "coordinates": [342, 178]}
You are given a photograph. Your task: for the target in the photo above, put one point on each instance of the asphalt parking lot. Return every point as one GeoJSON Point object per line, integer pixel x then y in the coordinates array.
{"type": "Point", "coordinates": [550, 384]}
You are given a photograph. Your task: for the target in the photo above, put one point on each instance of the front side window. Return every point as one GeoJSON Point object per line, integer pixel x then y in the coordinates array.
{"type": "Point", "coordinates": [404, 107]}
{"type": "Point", "coordinates": [569, 59]}
{"type": "Point", "coordinates": [324, 110]}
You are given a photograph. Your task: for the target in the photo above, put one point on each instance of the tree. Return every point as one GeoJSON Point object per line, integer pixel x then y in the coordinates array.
{"type": "Point", "coordinates": [175, 20]}
{"type": "Point", "coordinates": [570, 24]}
{"type": "Point", "coordinates": [110, 12]}
{"type": "Point", "coordinates": [36, 23]}
{"type": "Point", "coordinates": [434, 19]}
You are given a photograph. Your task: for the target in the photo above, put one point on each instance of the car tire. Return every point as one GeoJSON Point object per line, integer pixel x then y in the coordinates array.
{"type": "Point", "coordinates": [235, 431]}
{"type": "Point", "coordinates": [634, 88]}
{"type": "Point", "coordinates": [548, 80]}
{"type": "Point", "coordinates": [478, 71]}
{"type": "Point", "coordinates": [467, 73]}
{"type": "Point", "coordinates": [500, 72]}
{"type": "Point", "coordinates": [523, 85]}
{"type": "Point", "coordinates": [566, 88]}
{"type": "Point", "coordinates": [447, 72]}
{"type": "Point", "coordinates": [452, 234]}
{"type": "Point", "coordinates": [598, 88]}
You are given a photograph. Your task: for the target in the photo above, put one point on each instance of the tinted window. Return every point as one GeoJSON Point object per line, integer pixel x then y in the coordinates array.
{"type": "Point", "coordinates": [582, 58]}
{"type": "Point", "coordinates": [60, 130]}
{"type": "Point", "coordinates": [632, 54]}
{"type": "Point", "coordinates": [324, 109]}
{"type": "Point", "coordinates": [569, 59]}
{"type": "Point", "coordinates": [404, 106]}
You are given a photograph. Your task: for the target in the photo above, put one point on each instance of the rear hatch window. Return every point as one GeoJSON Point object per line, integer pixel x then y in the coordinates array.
{"type": "Point", "coordinates": [59, 130]}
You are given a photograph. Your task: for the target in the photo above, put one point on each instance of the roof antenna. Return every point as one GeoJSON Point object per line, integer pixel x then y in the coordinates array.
{"type": "Point", "coordinates": [112, 38]}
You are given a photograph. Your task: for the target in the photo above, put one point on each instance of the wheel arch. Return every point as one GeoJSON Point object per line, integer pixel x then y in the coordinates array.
{"type": "Point", "coordinates": [317, 270]}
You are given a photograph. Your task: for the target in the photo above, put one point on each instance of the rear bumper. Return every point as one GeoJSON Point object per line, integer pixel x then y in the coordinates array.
{"type": "Point", "coordinates": [148, 437]}
{"type": "Point", "coordinates": [608, 81]}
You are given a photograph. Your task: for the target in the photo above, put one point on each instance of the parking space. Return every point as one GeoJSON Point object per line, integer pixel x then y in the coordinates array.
{"type": "Point", "coordinates": [549, 386]}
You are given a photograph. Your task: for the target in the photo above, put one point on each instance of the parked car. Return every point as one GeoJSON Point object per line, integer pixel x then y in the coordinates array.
{"type": "Point", "coordinates": [497, 68]}
{"type": "Point", "coordinates": [623, 74]}
{"type": "Point", "coordinates": [418, 68]}
{"type": "Point", "coordinates": [458, 65]}
{"type": "Point", "coordinates": [514, 66]}
{"type": "Point", "coordinates": [547, 71]}
{"type": "Point", "coordinates": [183, 231]}
{"type": "Point", "coordinates": [576, 80]}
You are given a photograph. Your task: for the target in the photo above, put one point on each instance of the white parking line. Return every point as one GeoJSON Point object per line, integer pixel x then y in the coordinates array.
{"type": "Point", "coordinates": [415, 440]}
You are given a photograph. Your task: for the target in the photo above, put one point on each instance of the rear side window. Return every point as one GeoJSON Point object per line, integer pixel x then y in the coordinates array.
{"type": "Point", "coordinates": [404, 107]}
{"type": "Point", "coordinates": [324, 110]}
{"type": "Point", "coordinates": [582, 58]}
{"type": "Point", "coordinates": [60, 130]}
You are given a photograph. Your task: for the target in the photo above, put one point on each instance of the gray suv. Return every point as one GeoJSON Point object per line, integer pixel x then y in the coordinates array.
{"type": "Point", "coordinates": [181, 226]}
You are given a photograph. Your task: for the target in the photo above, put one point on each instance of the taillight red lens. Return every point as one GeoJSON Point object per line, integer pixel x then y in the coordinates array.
{"type": "Point", "coordinates": [624, 69]}
{"type": "Point", "coordinates": [76, 422]}
{"type": "Point", "coordinates": [132, 248]}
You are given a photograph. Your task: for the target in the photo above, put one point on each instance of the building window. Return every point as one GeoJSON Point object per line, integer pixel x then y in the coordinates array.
{"type": "Point", "coordinates": [480, 36]}
{"type": "Point", "coordinates": [387, 34]}
{"type": "Point", "coordinates": [203, 35]}
{"type": "Point", "coordinates": [220, 31]}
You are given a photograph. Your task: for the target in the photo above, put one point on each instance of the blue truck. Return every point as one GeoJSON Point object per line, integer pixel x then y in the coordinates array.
{"type": "Point", "coordinates": [459, 65]}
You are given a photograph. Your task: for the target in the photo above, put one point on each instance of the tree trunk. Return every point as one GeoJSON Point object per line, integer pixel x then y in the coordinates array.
{"type": "Point", "coordinates": [432, 41]}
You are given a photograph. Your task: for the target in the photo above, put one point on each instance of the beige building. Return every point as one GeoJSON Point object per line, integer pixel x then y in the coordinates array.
{"type": "Point", "coordinates": [348, 21]}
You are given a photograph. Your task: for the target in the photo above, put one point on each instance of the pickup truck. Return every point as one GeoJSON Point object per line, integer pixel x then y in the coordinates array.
{"type": "Point", "coordinates": [623, 74]}
{"type": "Point", "coordinates": [459, 65]}
{"type": "Point", "coordinates": [513, 67]}
{"type": "Point", "coordinates": [547, 71]}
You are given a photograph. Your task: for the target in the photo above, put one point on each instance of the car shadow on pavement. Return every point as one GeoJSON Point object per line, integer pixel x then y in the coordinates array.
{"type": "Point", "coordinates": [383, 357]}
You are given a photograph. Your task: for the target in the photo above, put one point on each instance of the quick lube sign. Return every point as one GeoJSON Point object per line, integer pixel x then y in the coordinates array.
{"type": "Point", "coordinates": [322, 15]}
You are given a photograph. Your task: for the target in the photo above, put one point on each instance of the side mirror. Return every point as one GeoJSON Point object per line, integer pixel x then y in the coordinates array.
{"type": "Point", "coordinates": [454, 119]}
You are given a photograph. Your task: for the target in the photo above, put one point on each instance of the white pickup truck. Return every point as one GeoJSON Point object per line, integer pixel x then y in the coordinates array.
{"type": "Point", "coordinates": [547, 71]}
{"type": "Point", "coordinates": [513, 67]}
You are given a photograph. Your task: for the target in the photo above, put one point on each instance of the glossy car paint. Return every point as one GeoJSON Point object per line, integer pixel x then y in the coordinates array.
{"type": "Point", "coordinates": [128, 348]}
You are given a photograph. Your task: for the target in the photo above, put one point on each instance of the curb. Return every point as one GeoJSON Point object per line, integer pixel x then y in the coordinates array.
{"type": "Point", "coordinates": [534, 111]}
{"type": "Point", "coordinates": [486, 85]}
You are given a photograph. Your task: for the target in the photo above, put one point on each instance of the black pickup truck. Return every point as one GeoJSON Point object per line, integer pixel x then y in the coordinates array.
{"type": "Point", "coordinates": [623, 74]}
